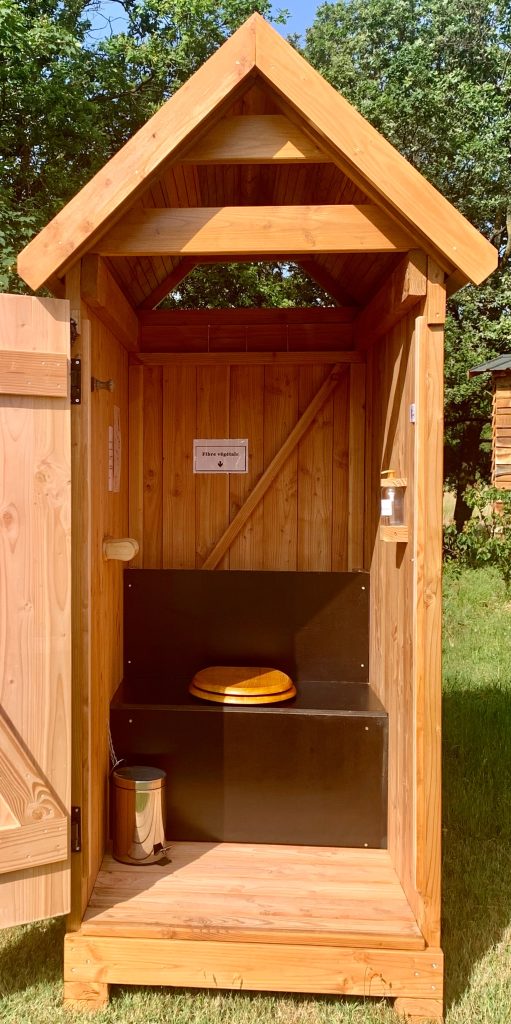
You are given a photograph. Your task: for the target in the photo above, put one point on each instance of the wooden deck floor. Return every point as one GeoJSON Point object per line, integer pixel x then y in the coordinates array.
{"type": "Point", "coordinates": [287, 894]}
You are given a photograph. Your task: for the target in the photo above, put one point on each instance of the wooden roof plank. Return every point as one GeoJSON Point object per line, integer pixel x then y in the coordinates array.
{"type": "Point", "coordinates": [326, 280]}
{"type": "Point", "coordinates": [178, 273]}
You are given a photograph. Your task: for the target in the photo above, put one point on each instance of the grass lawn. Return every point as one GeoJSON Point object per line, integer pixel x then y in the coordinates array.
{"type": "Point", "coordinates": [477, 863]}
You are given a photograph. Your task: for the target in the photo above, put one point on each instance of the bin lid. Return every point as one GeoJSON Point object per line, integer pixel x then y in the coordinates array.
{"type": "Point", "coordinates": [139, 777]}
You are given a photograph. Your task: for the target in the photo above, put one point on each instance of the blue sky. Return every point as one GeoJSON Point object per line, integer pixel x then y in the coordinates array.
{"type": "Point", "coordinates": [301, 16]}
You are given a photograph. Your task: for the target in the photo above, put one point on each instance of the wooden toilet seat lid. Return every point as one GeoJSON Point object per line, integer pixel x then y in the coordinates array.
{"type": "Point", "coordinates": [241, 684]}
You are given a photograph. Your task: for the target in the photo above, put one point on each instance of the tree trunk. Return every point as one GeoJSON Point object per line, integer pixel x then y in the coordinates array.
{"type": "Point", "coordinates": [462, 511]}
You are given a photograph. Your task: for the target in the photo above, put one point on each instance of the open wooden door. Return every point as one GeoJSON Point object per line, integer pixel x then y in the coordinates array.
{"type": "Point", "coordinates": [35, 608]}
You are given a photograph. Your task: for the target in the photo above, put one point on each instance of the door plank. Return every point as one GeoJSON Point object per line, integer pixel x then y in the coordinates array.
{"type": "Point", "coordinates": [35, 611]}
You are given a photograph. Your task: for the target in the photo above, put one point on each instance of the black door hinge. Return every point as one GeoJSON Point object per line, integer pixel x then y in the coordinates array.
{"type": "Point", "coordinates": [76, 381]}
{"type": "Point", "coordinates": [76, 829]}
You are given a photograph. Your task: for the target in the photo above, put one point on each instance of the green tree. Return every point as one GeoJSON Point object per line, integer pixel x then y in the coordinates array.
{"type": "Point", "coordinates": [247, 284]}
{"type": "Point", "coordinates": [435, 79]}
{"type": "Point", "coordinates": [68, 101]}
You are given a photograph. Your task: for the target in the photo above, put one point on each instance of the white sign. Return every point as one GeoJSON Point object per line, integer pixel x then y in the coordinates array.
{"type": "Point", "coordinates": [114, 452]}
{"type": "Point", "coordinates": [116, 480]}
{"type": "Point", "coordinates": [220, 455]}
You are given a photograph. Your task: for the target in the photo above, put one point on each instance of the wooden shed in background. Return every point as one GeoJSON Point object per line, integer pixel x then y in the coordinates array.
{"type": "Point", "coordinates": [256, 157]}
{"type": "Point", "coordinates": [500, 369]}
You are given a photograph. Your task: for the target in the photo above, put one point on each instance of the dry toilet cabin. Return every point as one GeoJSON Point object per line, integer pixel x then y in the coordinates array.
{"type": "Point", "coordinates": [303, 835]}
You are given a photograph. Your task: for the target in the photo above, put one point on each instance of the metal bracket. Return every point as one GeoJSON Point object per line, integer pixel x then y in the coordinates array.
{"type": "Point", "coordinates": [76, 830]}
{"type": "Point", "coordinates": [73, 328]}
{"type": "Point", "coordinates": [76, 381]}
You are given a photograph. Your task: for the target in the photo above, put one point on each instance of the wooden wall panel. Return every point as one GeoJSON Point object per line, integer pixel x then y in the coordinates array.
{"type": "Point", "coordinates": [153, 466]}
{"type": "Point", "coordinates": [501, 423]}
{"type": "Point", "coordinates": [280, 504]}
{"type": "Point", "coordinates": [211, 490]}
{"type": "Point", "coordinates": [340, 475]}
{"type": "Point", "coordinates": [406, 368]}
{"type": "Point", "coordinates": [356, 489]}
{"type": "Point", "coordinates": [109, 517]}
{"type": "Point", "coordinates": [179, 425]}
{"type": "Point", "coordinates": [391, 445]}
{"type": "Point", "coordinates": [302, 521]}
{"type": "Point", "coordinates": [247, 420]}
{"type": "Point", "coordinates": [315, 454]}
{"type": "Point", "coordinates": [427, 601]}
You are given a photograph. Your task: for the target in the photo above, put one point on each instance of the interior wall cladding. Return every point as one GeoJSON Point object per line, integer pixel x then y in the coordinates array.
{"type": "Point", "coordinates": [310, 518]}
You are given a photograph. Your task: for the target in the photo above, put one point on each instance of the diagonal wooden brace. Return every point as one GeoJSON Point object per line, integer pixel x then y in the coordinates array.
{"type": "Point", "coordinates": [257, 493]}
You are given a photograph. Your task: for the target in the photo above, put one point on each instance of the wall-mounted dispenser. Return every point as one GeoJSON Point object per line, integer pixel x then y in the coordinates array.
{"type": "Point", "coordinates": [392, 510]}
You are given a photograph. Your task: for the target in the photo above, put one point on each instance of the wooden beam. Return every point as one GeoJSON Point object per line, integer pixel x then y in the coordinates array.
{"type": "Point", "coordinates": [404, 288]}
{"type": "Point", "coordinates": [209, 963]}
{"type": "Point", "coordinates": [177, 274]}
{"type": "Point", "coordinates": [258, 492]}
{"type": "Point", "coordinates": [73, 293]}
{"type": "Point", "coordinates": [82, 550]}
{"type": "Point", "coordinates": [40, 832]}
{"type": "Point", "coordinates": [214, 86]}
{"type": "Point", "coordinates": [428, 611]}
{"type": "Point", "coordinates": [283, 257]}
{"type": "Point", "coordinates": [249, 315]}
{"type": "Point", "coordinates": [102, 293]}
{"type": "Point", "coordinates": [255, 229]}
{"type": "Point", "coordinates": [242, 330]}
{"type": "Point", "coordinates": [372, 162]}
{"type": "Point", "coordinates": [255, 139]}
{"type": "Point", "coordinates": [33, 373]}
{"type": "Point", "coordinates": [247, 358]}
{"type": "Point", "coordinates": [435, 310]}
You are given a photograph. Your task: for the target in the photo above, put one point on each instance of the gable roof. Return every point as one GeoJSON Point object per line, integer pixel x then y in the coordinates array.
{"type": "Point", "coordinates": [348, 139]}
{"type": "Point", "coordinates": [500, 364]}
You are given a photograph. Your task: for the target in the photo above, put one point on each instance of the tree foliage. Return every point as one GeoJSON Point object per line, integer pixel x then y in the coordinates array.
{"type": "Point", "coordinates": [69, 100]}
{"type": "Point", "coordinates": [247, 284]}
{"type": "Point", "coordinates": [435, 79]}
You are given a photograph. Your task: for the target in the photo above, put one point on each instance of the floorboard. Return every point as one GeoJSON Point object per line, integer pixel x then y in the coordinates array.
{"type": "Point", "coordinates": [230, 891]}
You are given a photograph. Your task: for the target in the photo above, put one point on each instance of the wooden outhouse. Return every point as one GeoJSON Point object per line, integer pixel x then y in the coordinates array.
{"type": "Point", "coordinates": [304, 837]}
{"type": "Point", "coordinates": [500, 369]}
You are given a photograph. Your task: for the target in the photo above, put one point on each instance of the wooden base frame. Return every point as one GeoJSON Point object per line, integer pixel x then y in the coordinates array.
{"type": "Point", "coordinates": [255, 917]}
{"type": "Point", "coordinates": [413, 977]}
